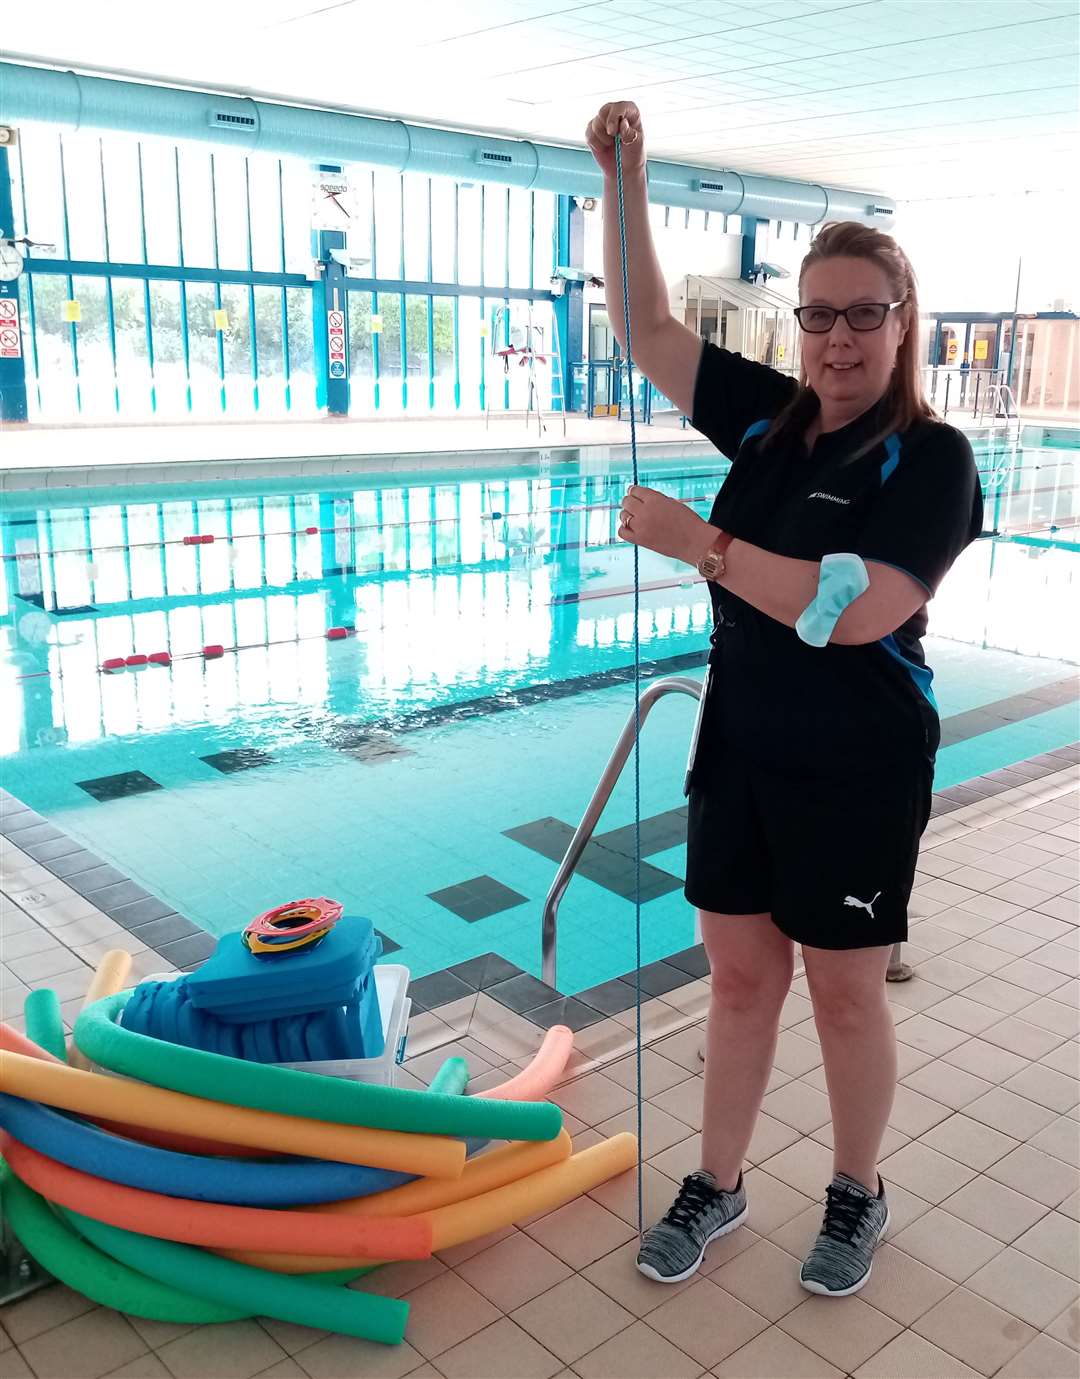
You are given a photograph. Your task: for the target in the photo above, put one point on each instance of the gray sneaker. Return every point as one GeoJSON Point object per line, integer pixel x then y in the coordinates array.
{"type": "Point", "coordinates": [855, 1220]}
{"type": "Point", "coordinates": [701, 1213]}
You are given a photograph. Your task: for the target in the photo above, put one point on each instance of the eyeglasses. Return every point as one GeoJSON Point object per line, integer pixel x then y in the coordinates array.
{"type": "Point", "coordinates": [819, 320]}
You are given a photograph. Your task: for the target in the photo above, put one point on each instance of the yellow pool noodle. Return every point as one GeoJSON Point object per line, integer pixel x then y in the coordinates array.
{"type": "Point", "coordinates": [110, 977]}
{"type": "Point", "coordinates": [94, 1094]}
{"type": "Point", "coordinates": [542, 1191]}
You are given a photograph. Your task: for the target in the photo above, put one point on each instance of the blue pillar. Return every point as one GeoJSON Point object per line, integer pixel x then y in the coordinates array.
{"type": "Point", "coordinates": [12, 366]}
{"type": "Point", "coordinates": [570, 307]}
{"type": "Point", "coordinates": [755, 240]}
{"type": "Point", "coordinates": [330, 333]}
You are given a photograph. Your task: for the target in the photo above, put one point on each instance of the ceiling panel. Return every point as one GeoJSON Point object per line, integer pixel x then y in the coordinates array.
{"type": "Point", "coordinates": [913, 99]}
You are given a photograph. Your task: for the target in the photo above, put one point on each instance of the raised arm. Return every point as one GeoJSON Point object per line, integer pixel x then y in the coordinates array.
{"type": "Point", "coordinates": [664, 349]}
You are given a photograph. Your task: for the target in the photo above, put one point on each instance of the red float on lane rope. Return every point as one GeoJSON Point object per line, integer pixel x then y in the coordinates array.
{"type": "Point", "coordinates": [212, 652]}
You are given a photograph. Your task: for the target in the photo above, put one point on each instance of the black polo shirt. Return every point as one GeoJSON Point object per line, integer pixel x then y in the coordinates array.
{"type": "Point", "coordinates": [911, 501]}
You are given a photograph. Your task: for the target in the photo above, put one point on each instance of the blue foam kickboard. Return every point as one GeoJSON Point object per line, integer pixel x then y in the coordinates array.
{"type": "Point", "coordinates": [234, 984]}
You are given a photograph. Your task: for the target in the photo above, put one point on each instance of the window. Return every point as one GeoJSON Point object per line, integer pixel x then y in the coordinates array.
{"type": "Point", "coordinates": [443, 201]}
{"type": "Point", "coordinates": [417, 237]}
{"type": "Point", "coordinates": [495, 246]}
{"type": "Point", "coordinates": [123, 211]}
{"type": "Point", "coordinates": [388, 247]}
{"type": "Point", "coordinates": [82, 186]}
{"type": "Point", "coordinates": [266, 228]}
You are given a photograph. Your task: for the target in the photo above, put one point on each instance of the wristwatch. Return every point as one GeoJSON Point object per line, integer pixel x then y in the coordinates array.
{"type": "Point", "coordinates": [712, 564]}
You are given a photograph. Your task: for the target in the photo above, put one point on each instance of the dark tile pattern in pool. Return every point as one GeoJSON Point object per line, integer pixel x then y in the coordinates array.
{"type": "Point", "coordinates": [614, 870]}
{"type": "Point", "coordinates": [479, 898]}
{"type": "Point", "coordinates": [118, 787]}
{"type": "Point", "coordinates": [238, 759]}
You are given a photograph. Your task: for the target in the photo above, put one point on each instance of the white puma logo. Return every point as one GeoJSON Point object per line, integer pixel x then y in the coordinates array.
{"type": "Point", "coordinates": [867, 905]}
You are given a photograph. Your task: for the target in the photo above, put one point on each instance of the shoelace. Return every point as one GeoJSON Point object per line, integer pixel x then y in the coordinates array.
{"type": "Point", "coordinates": [844, 1212]}
{"type": "Point", "coordinates": [694, 1195]}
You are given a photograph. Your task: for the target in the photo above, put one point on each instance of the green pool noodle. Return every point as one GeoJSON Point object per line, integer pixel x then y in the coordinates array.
{"type": "Point", "coordinates": [452, 1078]}
{"type": "Point", "coordinates": [292, 1092]}
{"type": "Point", "coordinates": [257, 1292]}
{"type": "Point", "coordinates": [72, 1260]}
{"type": "Point", "coordinates": [44, 1022]}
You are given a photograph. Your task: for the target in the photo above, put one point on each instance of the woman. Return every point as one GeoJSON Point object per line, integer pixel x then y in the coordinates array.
{"type": "Point", "coordinates": [812, 778]}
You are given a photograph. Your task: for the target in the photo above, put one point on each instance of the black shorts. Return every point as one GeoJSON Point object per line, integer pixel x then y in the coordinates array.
{"type": "Point", "coordinates": [831, 858]}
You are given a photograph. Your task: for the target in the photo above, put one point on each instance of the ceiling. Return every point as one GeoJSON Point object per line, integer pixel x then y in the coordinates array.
{"type": "Point", "coordinates": [912, 98]}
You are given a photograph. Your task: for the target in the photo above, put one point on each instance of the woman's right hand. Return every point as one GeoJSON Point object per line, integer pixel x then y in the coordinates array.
{"type": "Point", "coordinates": [613, 119]}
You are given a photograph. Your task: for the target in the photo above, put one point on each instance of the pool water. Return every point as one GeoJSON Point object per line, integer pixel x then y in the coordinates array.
{"type": "Point", "coordinates": [464, 719]}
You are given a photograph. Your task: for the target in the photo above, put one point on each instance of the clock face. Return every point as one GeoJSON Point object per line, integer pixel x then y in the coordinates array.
{"type": "Point", "coordinates": [11, 261]}
{"type": "Point", "coordinates": [333, 206]}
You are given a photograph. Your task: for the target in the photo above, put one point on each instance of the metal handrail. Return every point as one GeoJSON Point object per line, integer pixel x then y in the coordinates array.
{"type": "Point", "coordinates": [674, 684]}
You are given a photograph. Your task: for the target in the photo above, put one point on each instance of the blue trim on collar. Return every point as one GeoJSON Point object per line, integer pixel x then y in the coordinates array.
{"type": "Point", "coordinates": [892, 456]}
{"type": "Point", "coordinates": [758, 428]}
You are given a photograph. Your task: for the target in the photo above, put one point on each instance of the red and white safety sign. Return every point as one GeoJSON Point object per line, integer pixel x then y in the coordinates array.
{"type": "Point", "coordinates": [335, 325]}
{"type": "Point", "coordinates": [10, 330]}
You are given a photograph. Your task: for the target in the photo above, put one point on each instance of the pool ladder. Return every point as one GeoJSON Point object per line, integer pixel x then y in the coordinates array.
{"type": "Point", "coordinates": [673, 684]}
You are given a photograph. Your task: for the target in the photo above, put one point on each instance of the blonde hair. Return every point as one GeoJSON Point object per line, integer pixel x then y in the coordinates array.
{"type": "Point", "coordinates": [904, 401]}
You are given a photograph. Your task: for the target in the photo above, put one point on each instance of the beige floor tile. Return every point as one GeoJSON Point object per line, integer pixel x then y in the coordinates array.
{"type": "Point", "coordinates": [659, 1130]}
{"type": "Point", "coordinates": [1000, 995]}
{"type": "Point", "coordinates": [903, 1287]}
{"type": "Point", "coordinates": [1054, 1016]}
{"type": "Point", "coordinates": [846, 1331]}
{"type": "Point", "coordinates": [87, 1346]}
{"type": "Point", "coordinates": [1044, 1358]}
{"type": "Point", "coordinates": [706, 1322]}
{"type": "Point", "coordinates": [769, 1137]}
{"type": "Point", "coordinates": [974, 1330]}
{"type": "Point", "coordinates": [617, 1276]}
{"type": "Point", "coordinates": [290, 1336]}
{"type": "Point", "coordinates": [982, 956]}
{"type": "Point", "coordinates": [1013, 941]}
{"type": "Point", "coordinates": [1036, 1175]}
{"type": "Point", "coordinates": [500, 1351]}
{"type": "Point", "coordinates": [1054, 1090]}
{"type": "Point", "coordinates": [657, 1072]}
{"type": "Point", "coordinates": [920, 994]}
{"type": "Point", "coordinates": [1071, 1206]}
{"type": "Point", "coordinates": [930, 1035]}
{"type": "Point", "coordinates": [620, 1195]}
{"type": "Point", "coordinates": [684, 1101]}
{"type": "Point", "coordinates": [1064, 1059]}
{"type": "Point", "coordinates": [572, 1318]}
{"type": "Point", "coordinates": [798, 1105]}
{"type": "Point", "coordinates": [984, 1059]}
{"type": "Point", "coordinates": [943, 1242]}
{"type": "Point", "coordinates": [148, 1366]}
{"type": "Point", "coordinates": [398, 1280]}
{"type": "Point", "coordinates": [1059, 957]}
{"type": "Point", "coordinates": [1012, 1114]}
{"type": "Point", "coordinates": [692, 999]}
{"type": "Point", "coordinates": [1024, 1286]}
{"type": "Point", "coordinates": [765, 1278]}
{"type": "Point", "coordinates": [963, 1014]}
{"type": "Point", "coordinates": [933, 937]}
{"type": "Point", "coordinates": [682, 1048]}
{"type": "Point", "coordinates": [636, 1353]}
{"type": "Point", "coordinates": [657, 1019]}
{"type": "Point", "coordinates": [963, 922]}
{"type": "Point", "coordinates": [513, 1272]}
{"type": "Point", "coordinates": [593, 1098]}
{"type": "Point", "coordinates": [969, 1141]}
{"type": "Point", "coordinates": [771, 1202]}
{"type": "Point", "coordinates": [444, 1312]}
{"type": "Point", "coordinates": [922, 1170]}
{"type": "Point", "coordinates": [1061, 1138]}
{"type": "Point", "coordinates": [795, 1055]}
{"type": "Point", "coordinates": [41, 1311]}
{"type": "Point", "coordinates": [913, 1113]}
{"type": "Point", "coordinates": [992, 1207]}
{"type": "Point", "coordinates": [795, 1010]}
{"type": "Point", "coordinates": [1044, 924]}
{"type": "Point", "coordinates": [581, 1232]}
{"type": "Point", "coordinates": [680, 1159]}
{"type": "Point", "coordinates": [1020, 1038]}
{"type": "Point", "coordinates": [946, 971]}
{"type": "Point", "coordinates": [804, 1165]}
{"type": "Point", "coordinates": [772, 1354]}
{"type": "Point", "coordinates": [338, 1356]}
{"type": "Point", "coordinates": [910, 1060]}
{"type": "Point", "coordinates": [1066, 1328]}
{"type": "Point", "coordinates": [15, 1367]}
{"type": "Point", "coordinates": [236, 1350]}
{"type": "Point", "coordinates": [1055, 1241]}
{"type": "Point", "coordinates": [911, 1357]}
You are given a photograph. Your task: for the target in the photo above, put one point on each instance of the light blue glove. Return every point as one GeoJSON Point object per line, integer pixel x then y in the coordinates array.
{"type": "Point", "coordinates": [843, 578]}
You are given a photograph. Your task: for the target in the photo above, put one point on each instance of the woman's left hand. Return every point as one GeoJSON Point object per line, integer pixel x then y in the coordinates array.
{"type": "Point", "coordinates": [664, 524]}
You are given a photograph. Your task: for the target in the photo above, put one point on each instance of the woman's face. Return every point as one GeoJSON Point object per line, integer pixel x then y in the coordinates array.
{"type": "Point", "coordinates": [849, 369]}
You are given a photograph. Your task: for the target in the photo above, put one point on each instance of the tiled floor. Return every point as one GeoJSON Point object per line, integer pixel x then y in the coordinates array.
{"type": "Point", "coordinates": [980, 1274]}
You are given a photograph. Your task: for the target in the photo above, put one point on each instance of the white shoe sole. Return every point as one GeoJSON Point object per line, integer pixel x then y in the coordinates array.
{"type": "Point", "coordinates": [650, 1272]}
{"type": "Point", "coordinates": [812, 1286]}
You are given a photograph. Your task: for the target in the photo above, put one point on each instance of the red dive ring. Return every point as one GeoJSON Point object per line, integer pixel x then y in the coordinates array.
{"type": "Point", "coordinates": [288, 925]}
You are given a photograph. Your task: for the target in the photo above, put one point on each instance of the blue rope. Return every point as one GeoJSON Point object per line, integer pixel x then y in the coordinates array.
{"type": "Point", "coordinates": [637, 691]}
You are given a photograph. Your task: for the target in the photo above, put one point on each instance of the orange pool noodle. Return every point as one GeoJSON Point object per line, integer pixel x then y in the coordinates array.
{"type": "Point", "coordinates": [212, 1223]}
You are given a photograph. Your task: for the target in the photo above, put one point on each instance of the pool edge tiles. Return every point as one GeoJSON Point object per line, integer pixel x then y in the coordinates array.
{"type": "Point", "coordinates": [179, 943]}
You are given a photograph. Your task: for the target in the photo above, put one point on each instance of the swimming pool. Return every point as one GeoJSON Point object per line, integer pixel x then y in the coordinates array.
{"type": "Point", "coordinates": [425, 766]}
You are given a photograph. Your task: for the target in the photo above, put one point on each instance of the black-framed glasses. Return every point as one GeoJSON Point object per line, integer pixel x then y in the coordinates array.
{"type": "Point", "coordinates": [819, 320]}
